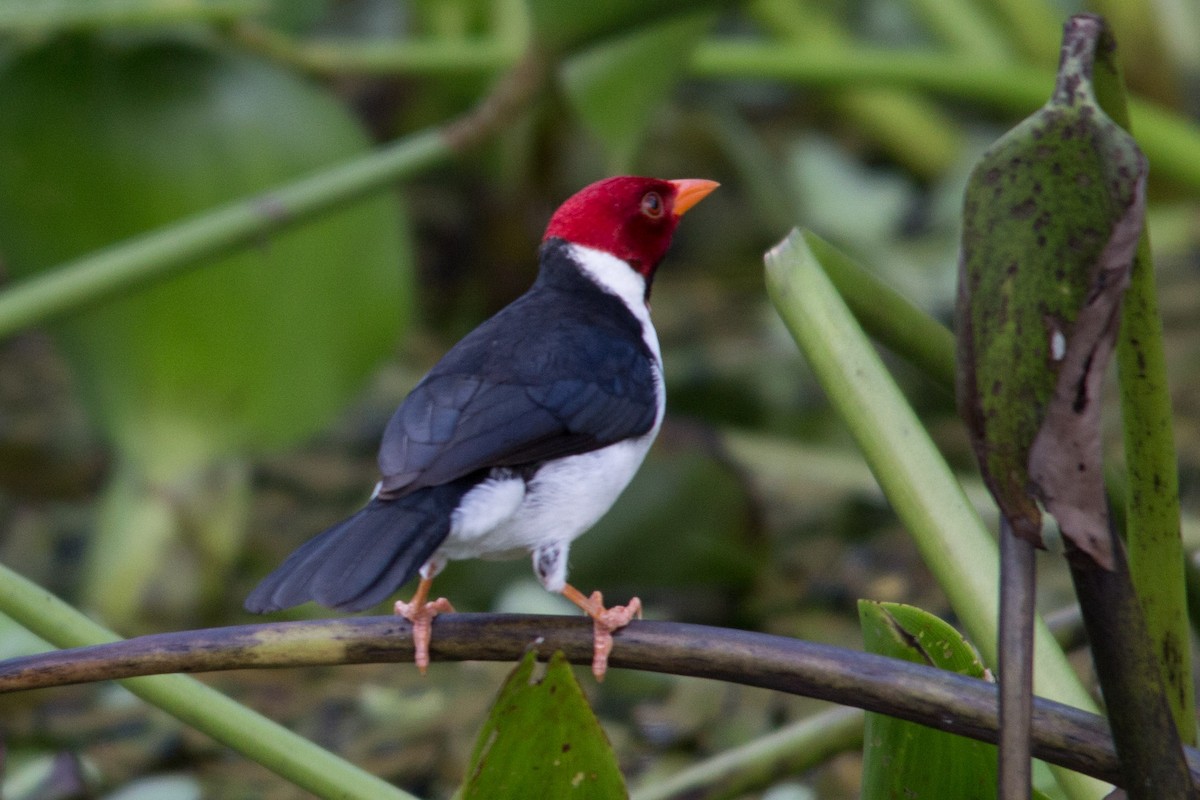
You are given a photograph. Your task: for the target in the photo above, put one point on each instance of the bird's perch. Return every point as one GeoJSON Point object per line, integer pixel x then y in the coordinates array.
{"type": "Point", "coordinates": [1063, 735]}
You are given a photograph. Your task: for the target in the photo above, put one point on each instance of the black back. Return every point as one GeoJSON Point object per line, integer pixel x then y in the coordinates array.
{"type": "Point", "coordinates": [562, 370]}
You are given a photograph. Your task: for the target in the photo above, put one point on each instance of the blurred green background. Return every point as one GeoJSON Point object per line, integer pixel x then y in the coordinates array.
{"type": "Point", "coordinates": [160, 452]}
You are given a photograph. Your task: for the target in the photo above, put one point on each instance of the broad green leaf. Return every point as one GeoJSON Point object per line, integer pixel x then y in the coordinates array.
{"type": "Point", "coordinates": [616, 86]}
{"type": "Point", "coordinates": [541, 739]}
{"type": "Point", "coordinates": [110, 136]}
{"type": "Point", "coordinates": [903, 759]}
{"type": "Point", "coordinates": [1051, 220]}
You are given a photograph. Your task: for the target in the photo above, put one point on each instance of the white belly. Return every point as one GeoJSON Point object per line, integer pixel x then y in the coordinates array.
{"type": "Point", "coordinates": [505, 518]}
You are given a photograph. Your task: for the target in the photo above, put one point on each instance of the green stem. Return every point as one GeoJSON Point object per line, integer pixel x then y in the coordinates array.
{"type": "Point", "coordinates": [794, 748]}
{"type": "Point", "coordinates": [912, 128]}
{"type": "Point", "coordinates": [1153, 519]}
{"type": "Point", "coordinates": [432, 57]}
{"type": "Point", "coordinates": [1170, 141]}
{"type": "Point", "coordinates": [293, 757]}
{"type": "Point", "coordinates": [912, 473]}
{"type": "Point", "coordinates": [965, 29]}
{"type": "Point", "coordinates": [40, 17]}
{"type": "Point", "coordinates": [161, 252]}
{"type": "Point", "coordinates": [889, 317]}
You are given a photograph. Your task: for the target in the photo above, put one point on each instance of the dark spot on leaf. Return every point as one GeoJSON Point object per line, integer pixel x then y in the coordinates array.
{"type": "Point", "coordinates": [566, 748]}
{"type": "Point", "coordinates": [1024, 209]}
{"type": "Point", "coordinates": [992, 175]}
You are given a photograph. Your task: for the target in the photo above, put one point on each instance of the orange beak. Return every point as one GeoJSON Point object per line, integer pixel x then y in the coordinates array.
{"type": "Point", "coordinates": [690, 191]}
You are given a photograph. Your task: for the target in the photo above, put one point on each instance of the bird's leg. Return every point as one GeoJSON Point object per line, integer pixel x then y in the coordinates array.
{"type": "Point", "coordinates": [604, 622]}
{"type": "Point", "coordinates": [420, 612]}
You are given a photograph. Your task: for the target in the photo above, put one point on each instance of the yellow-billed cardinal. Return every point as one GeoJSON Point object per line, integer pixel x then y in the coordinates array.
{"type": "Point", "coordinates": [526, 431]}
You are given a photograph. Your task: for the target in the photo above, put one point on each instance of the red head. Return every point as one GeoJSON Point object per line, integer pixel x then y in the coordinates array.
{"type": "Point", "coordinates": [630, 217]}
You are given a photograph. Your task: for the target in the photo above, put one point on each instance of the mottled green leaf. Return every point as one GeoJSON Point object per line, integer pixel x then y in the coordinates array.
{"type": "Point", "coordinates": [616, 85]}
{"type": "Point", "coordinates": [1052, 217]}
{"type": "Point", "coordinates": [541, 739]}
{"type": "Point", "coordinates": [903, 759]}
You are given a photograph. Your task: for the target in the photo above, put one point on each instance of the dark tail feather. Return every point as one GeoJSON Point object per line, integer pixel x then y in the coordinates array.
{"type": "Point", "coordinates": [364, 559]}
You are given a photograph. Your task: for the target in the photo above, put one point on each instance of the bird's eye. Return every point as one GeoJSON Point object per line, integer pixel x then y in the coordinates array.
{"type": "Point", "coordinates": [652, 205]}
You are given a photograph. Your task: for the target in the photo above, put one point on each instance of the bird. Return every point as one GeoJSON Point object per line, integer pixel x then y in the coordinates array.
{"type": "Point", "coordinates": [526, 431]}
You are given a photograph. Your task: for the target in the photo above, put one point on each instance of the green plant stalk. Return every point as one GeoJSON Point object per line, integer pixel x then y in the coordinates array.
{"type": "Point", "coordinates": [914, 476]}
{"type": "Point", "coordinates": [420, 56]}
{"type": "Point", "coordinates": [293, 757]}
{"type": "Point", "coordinates": [914, 130]}
{"type": "Point", "coordinates": [163, 251]}
{"type": "Point", "coordinates": [40, 18]}
{"type": "Point", "coordinates": [888, 316]}
{"type": "Point", "coordinates": [1153, 519]}
{"type": "Point", "coordinates": [793, 748]}
{"type": "Point", "coordinates": [1169, 141]}
{"type": "Point", "coordinates": [964, 28]}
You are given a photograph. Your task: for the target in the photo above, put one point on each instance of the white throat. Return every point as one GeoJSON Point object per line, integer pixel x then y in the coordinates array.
{"type": "Point", "coordinates": [614, 276]}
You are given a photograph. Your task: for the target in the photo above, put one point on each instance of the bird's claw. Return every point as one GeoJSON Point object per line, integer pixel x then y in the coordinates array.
{"type": "Point", "coordinates": [604, 622]}
{"type": "Point", "coordinates": [421, 614]}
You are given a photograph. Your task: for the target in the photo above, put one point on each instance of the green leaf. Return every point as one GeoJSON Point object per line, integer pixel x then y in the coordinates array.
{"type": "Point", "coordinates": [541, 739]}
{"type": "Point", "coordinates": [1052, 217]}
{"type": "Point", "coordinates": [110, 136]}
{"type": "Point", "coordinates": [616, 86]}
{"type": "Point", "coordinates": [105, 140]}
{"type": "Point", "coordinates": [903, 759]}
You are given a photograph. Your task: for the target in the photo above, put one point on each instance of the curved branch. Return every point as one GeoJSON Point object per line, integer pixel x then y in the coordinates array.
{"type": "Point", "coordinates": [943, 700]}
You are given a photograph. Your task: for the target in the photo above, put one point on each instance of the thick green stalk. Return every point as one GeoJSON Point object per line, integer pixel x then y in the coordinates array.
{"type": "Point", "coordinates": [1152, 513]}
{"type": "Point", "coordinates": [914, 476]}
{"type": "Point", "coordinates": [889, 317]}
{"type": "Point", "coordinates": [1156, 558]}
{"type": "Point", "coordinates": [293, 757]}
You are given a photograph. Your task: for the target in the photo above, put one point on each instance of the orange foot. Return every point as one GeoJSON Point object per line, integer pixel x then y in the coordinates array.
{"type": "Point", "coordinates": [604, 622]}
{"type": "Point", "coordinates": [421, 613]}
